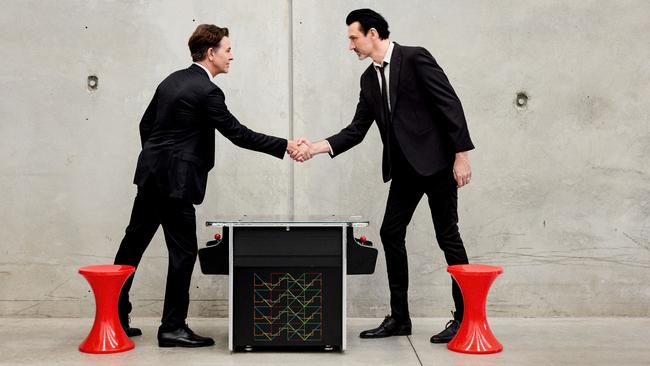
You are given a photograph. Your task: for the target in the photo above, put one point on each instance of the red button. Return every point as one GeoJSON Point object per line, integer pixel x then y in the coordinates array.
{"type": "Point", "coordinates": [217, 236]}
{"type": "Point", "coordinates": [363, 239]}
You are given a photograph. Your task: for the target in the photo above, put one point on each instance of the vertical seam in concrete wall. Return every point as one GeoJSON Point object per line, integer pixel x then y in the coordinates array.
{"type": "Point", "coordinates": [292, 172]}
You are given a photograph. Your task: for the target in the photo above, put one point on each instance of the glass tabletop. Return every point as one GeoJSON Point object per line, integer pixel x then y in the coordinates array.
{"type": "Point", "coordinates": [289, 220]}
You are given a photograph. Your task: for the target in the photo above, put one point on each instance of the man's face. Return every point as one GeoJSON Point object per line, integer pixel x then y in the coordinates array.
{"type": "Point", "coordinates": [360, 43]}
{"type": "Point", "coordinates": [221, 57]}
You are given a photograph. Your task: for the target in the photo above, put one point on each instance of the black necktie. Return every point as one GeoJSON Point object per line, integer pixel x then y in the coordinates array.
{"type": "Point", "coordinates": [387, 119]}
{"type": "Point", "coordinates": [384, 92]}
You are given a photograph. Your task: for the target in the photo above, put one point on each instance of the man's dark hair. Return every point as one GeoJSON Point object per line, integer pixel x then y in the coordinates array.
{"type": "Point", "coordinates": [204, 37]}
{"type": "Point", "coordinates": [368, 18]}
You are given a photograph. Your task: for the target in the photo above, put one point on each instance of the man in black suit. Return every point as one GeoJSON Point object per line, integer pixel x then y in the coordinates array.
{"type": "Point", "coordinates": [177, 134]}
{"type": "Point", "coordinates": [426, 144]}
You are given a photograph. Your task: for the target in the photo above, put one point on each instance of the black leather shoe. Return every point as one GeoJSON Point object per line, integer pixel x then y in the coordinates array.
{"type": "Point", "coordinates": [448, 334]}
{"type": "Point", "coordinates": [183, 337]}
{"type": "Point", "coordinates": [388, 328]}
{"type": "Point", "coordinates": [130, 332]}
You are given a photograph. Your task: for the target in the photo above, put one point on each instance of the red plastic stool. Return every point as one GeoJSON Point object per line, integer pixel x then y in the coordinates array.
{"type": "Point", "coordinates": [107, 334]}
{"type": "Point", "coordinates": [474, 335]}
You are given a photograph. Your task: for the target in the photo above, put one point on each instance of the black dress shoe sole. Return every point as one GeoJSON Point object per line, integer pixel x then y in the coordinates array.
{"type": "Point", "coordinates": [133, 332]}
{"type": "Point", "coordinates": [185, 345]}
{"type": "Point", "coordinates": [398, 333]}
{"type": "Point", "coordinates": [436, 341]}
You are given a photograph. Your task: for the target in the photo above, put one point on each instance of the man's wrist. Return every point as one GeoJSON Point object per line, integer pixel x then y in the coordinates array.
{"type": "Point", "coordinates": [321, 146]}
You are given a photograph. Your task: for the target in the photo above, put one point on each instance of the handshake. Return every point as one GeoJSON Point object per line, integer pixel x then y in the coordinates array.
{"type": "Point", "coordinates": [302, 149]}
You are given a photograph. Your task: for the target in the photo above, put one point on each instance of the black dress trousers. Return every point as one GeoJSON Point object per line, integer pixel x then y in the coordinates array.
{"type": "Point", "coordinates": [178, 219]}
{"type": "Point", "coordinates": [406, 191]}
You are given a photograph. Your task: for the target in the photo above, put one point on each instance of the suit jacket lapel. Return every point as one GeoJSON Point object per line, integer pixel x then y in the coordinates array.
{"type": "Point", "coordinates": [395, 65]}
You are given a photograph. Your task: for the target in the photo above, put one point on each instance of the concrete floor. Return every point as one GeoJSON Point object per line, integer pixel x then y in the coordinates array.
{"type": "Point", "coordinates": [570, 341]}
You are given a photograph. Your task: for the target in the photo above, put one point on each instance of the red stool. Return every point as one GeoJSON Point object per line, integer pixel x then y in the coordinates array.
{"type": "Point", "coordinates": [107, 334]}
{"type": "Point", "coordinates": [474, 335]}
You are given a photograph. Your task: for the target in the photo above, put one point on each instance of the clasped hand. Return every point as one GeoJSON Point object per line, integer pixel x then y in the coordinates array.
{"type": "Point", "coordinates": [300, 149]}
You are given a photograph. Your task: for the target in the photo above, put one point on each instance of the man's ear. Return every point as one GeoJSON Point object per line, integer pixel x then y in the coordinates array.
{"type": "Point", "coordinates": [373, 33]}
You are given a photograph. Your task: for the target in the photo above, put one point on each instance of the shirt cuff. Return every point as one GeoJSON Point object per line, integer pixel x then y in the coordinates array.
{"type": "Point", "coordinates": [330, 147]}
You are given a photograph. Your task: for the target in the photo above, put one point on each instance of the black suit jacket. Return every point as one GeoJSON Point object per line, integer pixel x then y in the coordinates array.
{"type": "Point", "coordinates": [177, 134]}
{"type": "Point", "coordinates": [427, 116]}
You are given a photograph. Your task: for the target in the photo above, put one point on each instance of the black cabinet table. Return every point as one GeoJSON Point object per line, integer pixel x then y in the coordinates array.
{"type": "Point", "coordinates": [287, 278]}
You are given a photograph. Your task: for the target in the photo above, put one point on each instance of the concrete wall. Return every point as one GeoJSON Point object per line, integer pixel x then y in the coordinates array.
{"type": "Point", "coordinates": [561, 190]}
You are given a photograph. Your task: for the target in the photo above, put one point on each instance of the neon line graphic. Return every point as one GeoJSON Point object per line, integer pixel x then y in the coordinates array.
{"type": "Point", "coordinates": [288, 307]}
